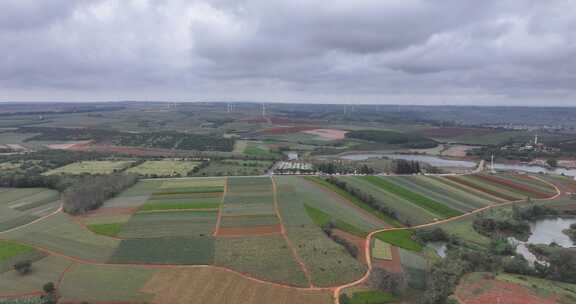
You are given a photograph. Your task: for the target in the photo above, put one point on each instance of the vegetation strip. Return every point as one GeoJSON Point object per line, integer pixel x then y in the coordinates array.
{"type": "Point", "coordinates": [418, 199]}
{"type": "Point", "coordinates": [354, 200]}
{"type": "Point", "coordinates": [323, 219]}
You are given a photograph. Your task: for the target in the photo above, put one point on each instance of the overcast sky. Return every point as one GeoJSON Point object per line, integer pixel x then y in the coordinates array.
{"type": "Point", "coordinates": [465, 52]}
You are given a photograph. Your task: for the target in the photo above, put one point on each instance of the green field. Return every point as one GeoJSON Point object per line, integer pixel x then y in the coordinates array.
{"type": "Point", "coordinates": [91, 167]}
{"type": "Point", "coordinates": [24, 205]}
{"type": "Point", "coordinates": [440, 209]}
{"type": "Point", "coordinates": [399, 238]}
{"type": "Point", "coordinates": [164, 168]}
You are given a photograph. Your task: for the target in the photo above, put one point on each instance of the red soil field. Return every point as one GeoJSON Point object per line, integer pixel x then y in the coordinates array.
{"type": "Point", "coordinates": [493, 291]}
{"type": "Point", "coordinates": [394, 265]}
{"type": "Point", "coordinates": [286, 130]}
{"type": "Point", "coordinates": [248, 231]}
{"type": "Point", "coordinates": [511, 184]}
{"type": "Point", "coordinates": [471, 185]}
{"type": "Point", "coordinates": [455, 132]}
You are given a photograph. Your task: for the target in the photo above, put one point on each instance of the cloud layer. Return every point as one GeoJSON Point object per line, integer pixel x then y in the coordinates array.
{"type": "Point", "coordinates": [392, 51]}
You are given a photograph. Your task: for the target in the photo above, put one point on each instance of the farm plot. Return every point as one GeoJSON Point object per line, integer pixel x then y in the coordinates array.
{"type": "Point", "coordinates": [304, 206]}
{"type": "Point", "coordinates": [59, 233]}
{"type": "Point", "coordinates": [22, 206]}
{"type": "Point", "coordinates": [167, 250]}
{"type": "Point", "coordinates": [527, 181]}
{"type": "Point", "coordinates": [47, 269]}
{"type": "Point", "coordinates": [525, 190]}
{"type": "Point", "coordinates": [169, 224]}
{"type": "Point", "coordinates": [483, 186]}
{"type": "Point", "coordinates": [11, 253]}
{"type": "Point", "coordinates": [164, 168]}
{"type": "Point", "coordinates": [264, 257]}
{"type": "Point", "coordinates": [441, 210]}
{"type": "Point", "coordinates": [209, 285]}
{"type": "Point", "coordinates": [248, 208]}
{"type": "Point", "coordinates": [453, 198]}
{"type": "Point", "coordinates": [91, 167]}
{"type": "Point", "coordinates": [406, 211]}
{"type": "Point", "coordinates": [84, 282]}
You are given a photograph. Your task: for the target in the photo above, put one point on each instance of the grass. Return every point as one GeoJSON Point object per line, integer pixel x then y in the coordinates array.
{"type": "Point", "coordinates": [112, 229]}
{"type": "Point", "coordinates": [354, 200]}
{"type": "Point", "coordinates": [400, 238]}
{"type": "Point", "coordinates": [91, 167]}
{"type": "Point", "coordinates": [371, 297]}
{"type": "Point", "coordinates": [9, 250]}
{"type": "Point", "coordinates": [164, 168]}
{"type": "Point", "coordinates": [418, 199]}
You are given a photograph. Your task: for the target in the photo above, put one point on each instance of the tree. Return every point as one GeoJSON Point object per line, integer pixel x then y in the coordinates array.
{"type": "Point", "coordinates": [49, 287]}
{"type": "Point", "coordinates": [50, 296]}
{"type": "Point", "coordinates": [552, 163]}
{"type": "Point", "coordinates": [23, 267]}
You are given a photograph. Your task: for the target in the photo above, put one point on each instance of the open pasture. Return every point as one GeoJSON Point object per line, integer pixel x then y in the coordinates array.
{"type": "Point", "coordinates": [164, 168]}
{"type": "Point", "coordinates": [24, 205]}
{"type": "Point", "coordinates": [91, 167]}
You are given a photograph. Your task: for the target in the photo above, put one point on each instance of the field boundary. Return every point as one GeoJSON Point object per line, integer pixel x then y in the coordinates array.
{"type": "Point", "coordinates": [219, 216]}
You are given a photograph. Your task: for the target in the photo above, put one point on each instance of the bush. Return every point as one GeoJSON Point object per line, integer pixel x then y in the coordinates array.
{"type": "Point", "coordinates": [23, 267]}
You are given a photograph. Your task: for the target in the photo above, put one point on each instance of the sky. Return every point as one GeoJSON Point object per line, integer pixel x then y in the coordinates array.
{"type": "Point", "coordinates": [460, 52]}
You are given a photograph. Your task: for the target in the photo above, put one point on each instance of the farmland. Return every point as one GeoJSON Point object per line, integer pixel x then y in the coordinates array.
{"type": "Point", "coordinates": [91, 167]}
{"type": "Point", "coordinates": [225, 232]}
{"type": "Point", "coordinates": [164, 168]}
{"type": "Point", "coordinates": [21, 206]}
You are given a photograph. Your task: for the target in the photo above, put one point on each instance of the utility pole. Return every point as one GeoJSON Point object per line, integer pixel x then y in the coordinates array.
{"type": "Point", "coordinates": [492, 165]}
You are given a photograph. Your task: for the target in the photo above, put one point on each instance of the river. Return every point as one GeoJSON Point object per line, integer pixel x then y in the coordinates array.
{"type": "Point", "coordinates": [442, 162]}
{"type": "Point", "coordinates": [545, 231]}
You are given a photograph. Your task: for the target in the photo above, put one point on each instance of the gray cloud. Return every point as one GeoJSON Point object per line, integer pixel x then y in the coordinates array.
{"type": "Point", "coordinates": [419, 51]}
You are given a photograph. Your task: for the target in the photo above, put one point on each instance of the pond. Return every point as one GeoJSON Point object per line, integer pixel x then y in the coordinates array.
{"type": "Point", "coordinates": [439, 247]}
{"type": "Point", "coordinates": [545, 231]}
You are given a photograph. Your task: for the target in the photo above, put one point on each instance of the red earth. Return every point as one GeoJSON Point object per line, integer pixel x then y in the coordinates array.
{"type": "Point", "coordinates": [511, 184]}
{"type": "Point", "coordinates": [394, 265]}
{"type": "Point", "coordinates": [485, 190]}
{"type": "Point", "coordinates": [286, 130]}
{"type": "Point", "coordinates": [488, 290]}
